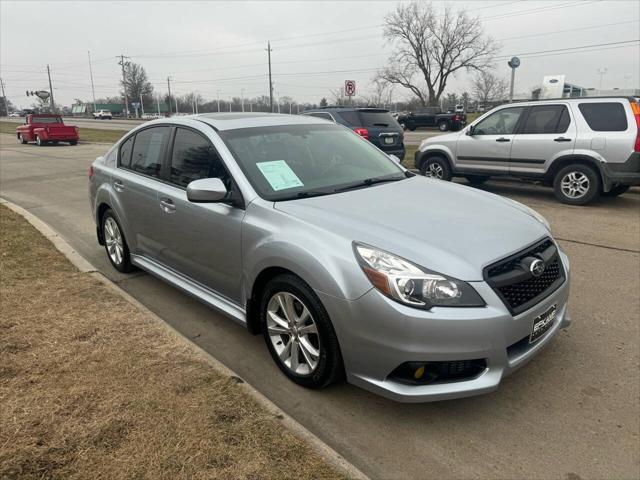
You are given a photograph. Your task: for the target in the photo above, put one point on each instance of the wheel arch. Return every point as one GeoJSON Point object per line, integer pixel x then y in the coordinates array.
{"type": "Point", "coordinates": [434, 152]}
{"type": "Point", "coordinates": [253, 301]}
{"type": "Point", "coordinates": [561, 162]}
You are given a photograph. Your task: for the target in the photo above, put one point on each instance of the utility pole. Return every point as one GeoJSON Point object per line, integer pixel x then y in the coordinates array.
{"type": "Point", "coordinates": [53, 104]}
{"type": "Point", "coordinates": [270, 82]}
{"type": "Point", "coordinates": [158, 101]}
{"type": "Point", "coordinates": [176, 99]}
{"type": "Point", "coordinates": [6, 105]}
{"type": "Point", "coordinates": [242, 96]}
{"type": "Point", "coordinates": [602, 72]}
{"type": "Point", "coordinates": [218, 94]}
{"type": "Point", "coordinates": [141, 104]}
{"type": "Point", "coordinates": [93, 91]}
{"type": "Point", "coordinates": [169, 88]}
{"type": "Point", "coordinates": [124, 84]}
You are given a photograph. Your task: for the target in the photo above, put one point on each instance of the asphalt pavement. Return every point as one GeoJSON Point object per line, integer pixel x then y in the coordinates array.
{"type": "Point", "coordinates": [571, 413]}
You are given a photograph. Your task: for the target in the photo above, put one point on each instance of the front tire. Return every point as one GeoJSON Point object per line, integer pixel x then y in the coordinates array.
{"type": "Point", "coordinates": [436, 167]}
{"type": "Point", "coordinates": [22, 140]}
{"type": "Point", "coordinates": [299, 334]}
{"type": "Point", "coordinates": [115, 244]}
{"type": "Point", "coordinates": [73, 142]}
{"type": "Point", "coordinates": [616, 190]}
{"type": "Point", "coordinates": [576, 184]}
{"type": "Point", "coordinates": [39, 141]}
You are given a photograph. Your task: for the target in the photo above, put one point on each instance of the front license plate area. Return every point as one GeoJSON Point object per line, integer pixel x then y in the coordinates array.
{"type": "Point", "coordinates": [542, 323]}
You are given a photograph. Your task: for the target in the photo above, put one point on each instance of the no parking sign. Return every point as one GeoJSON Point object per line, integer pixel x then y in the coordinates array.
{"type": "Point", "coordinates": [350, 88]}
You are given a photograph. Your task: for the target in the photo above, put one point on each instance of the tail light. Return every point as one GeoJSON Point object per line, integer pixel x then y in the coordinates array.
{"type": "Point", "coordinates": [90, 171]}
{"type": "Point", "coordinates": [363, 132]}
{"type": "Point", "coordinates": [635, 108]}
{"type": "Point", "coordinates": [456, 118]}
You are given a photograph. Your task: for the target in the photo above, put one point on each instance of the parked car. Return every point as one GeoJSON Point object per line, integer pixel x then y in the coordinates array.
{"type": "Point", "coordinates": [103, 115]}
{"type": "Point", "coordinates": [583, 147]}
{"type": "Point", "coordinates": [459, 109]}
{"type": "Point", "coordinates": [432, 117]}
{"type": "Point", "coordinates": [375, 124]}
{"type": "Point", "coordinates": [348, 264]}
{"type": "Point", "coordinates": [46, 128]}
{"type": "Point", "coordinates": [14, 114]}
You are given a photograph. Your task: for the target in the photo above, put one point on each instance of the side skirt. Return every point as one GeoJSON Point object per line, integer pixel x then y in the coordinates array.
{"type": "Point", "coordinates": [192, 288]}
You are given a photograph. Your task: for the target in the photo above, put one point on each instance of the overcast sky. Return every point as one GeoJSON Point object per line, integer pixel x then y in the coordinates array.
{"type": "Point", "coordinates": [220, 46]}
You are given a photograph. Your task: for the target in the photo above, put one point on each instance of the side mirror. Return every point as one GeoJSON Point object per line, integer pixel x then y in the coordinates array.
{"type": "Point", "coordinates": [206, 190]}
{"type": "Point", "coordinates": [394, 158]}
{"type": "Point", "coordinates": [470, 130]}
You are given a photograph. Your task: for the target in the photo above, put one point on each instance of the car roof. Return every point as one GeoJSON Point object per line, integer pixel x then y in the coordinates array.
{"type": "Point", "coordinates": [346, 108]}
{"type": "Point", "coordinates": [232, 121]}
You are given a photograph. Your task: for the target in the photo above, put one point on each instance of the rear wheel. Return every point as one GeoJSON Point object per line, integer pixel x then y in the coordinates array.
{"type": "Point", "coordinates": [616, 190]}
{"type": "Point", "coordinates": [443, 126]}
{"type": "Point", "coordinates": [73, 142]}
{"type": "Point", "coordinates": [436, 167]}
{"type": "Point", "coordinates": [576, 184]}
{"type": "Point", "coordinates": [39, 141]}
{"type": "Point", "coordinates": [115, 243]}
{"type": "Point", "coordinates": [299, 333]}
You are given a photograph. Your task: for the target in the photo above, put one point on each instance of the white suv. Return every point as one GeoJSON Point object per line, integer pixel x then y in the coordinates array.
{"type": "Point", "coordinates": [102, 114]}
{"type": "Point", "coordinates": [583, 147]}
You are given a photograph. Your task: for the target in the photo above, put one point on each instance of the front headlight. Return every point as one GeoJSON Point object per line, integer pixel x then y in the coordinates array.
{"type": "Point", "coordinates": [412, 285]}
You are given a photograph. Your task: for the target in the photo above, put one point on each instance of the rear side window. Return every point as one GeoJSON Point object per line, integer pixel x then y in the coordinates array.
{"type": "Point", "coordinates": [148, 149]}
{"type": "Point", "coordinates": [377, 119]}
{"type": "Point", "coordinates": [547, 119]}
{"type": "Point", "coordinates": [604, 117]}
{"type": "Point", "coordinates": [125, 152]}
{"type": "Point", "coordinates": [194, 158]}
{"type": "Point", "coordinates": [351, 118]}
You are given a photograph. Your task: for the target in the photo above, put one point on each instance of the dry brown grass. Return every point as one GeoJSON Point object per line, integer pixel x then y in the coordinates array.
{"type": "Point", "coordinates": [91, 387]}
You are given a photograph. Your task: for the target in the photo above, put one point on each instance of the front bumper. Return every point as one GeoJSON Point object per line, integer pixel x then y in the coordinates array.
{"type": "Point", "coordinates": [377, 335]}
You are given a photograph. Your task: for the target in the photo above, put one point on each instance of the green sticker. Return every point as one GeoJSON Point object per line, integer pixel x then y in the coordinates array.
{"type": "Point", "coordinates": [279, 175]}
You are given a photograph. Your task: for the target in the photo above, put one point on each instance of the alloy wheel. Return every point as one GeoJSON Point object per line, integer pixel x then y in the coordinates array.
{"type": "Point", "coordinates": [293, 333]}
{"type": "Point", "coordinates": [113, 240]}
{"type": "Point", "coordinates": [434, 170]}
{"type": "Point", "coordinates": [575, 184]}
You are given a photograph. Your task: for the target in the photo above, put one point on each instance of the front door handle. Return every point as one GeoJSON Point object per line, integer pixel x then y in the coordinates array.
{"type": "Point", "coordinates": [118, 185]}
{"type": "Point", "coordinates": [502, 139]}
{"type": "Point", "coordinates": [561, 139]}
{"type": "Point", "coordinates": [167, 205]}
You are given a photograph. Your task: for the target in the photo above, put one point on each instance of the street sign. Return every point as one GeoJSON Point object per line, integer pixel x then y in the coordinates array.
{"type": "Point", "coordinates": [514, 62]}
{"type": "Point", "coordinates": [350, 88]}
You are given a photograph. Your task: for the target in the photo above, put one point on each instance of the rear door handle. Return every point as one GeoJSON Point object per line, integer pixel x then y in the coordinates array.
{"type": "Point", "coordinates": [118, 185]}
{"type": "Point", "coordinates": [561, 139]}
{"type": "Point", "coordinates": [167, 205]}
{"type": "Point", "coordinates": [502, 139]}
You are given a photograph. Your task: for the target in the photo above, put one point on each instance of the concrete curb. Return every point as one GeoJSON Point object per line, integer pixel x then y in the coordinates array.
{"type": "Point", "coordinates": [325, 451]}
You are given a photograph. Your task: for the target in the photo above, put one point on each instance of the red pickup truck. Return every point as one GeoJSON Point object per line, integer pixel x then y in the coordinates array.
{"type": "Point", "coordinates": [45, 128]}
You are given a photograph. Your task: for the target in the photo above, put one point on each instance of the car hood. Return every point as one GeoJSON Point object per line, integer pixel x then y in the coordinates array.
{"type": "Point", "coordinates": [448, 228]}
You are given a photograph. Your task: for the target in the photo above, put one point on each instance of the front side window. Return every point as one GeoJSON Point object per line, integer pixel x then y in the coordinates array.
{"type": "Point", "coordinates": [604, 117]}
{"type": "Point", "coordinates": [294, 161]}
{"type": "Point", "coordinates": [502, 122]}
{"type": "Point", "coordinates": [148, 149]}
{"type": "Point", "coordinates": [194, 158]}
{"type": "Point", "coordinates": [547, 119]}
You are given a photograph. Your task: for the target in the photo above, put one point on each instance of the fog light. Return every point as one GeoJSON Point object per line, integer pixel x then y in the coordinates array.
{"type": "Point", "coordinates": [419, 373]}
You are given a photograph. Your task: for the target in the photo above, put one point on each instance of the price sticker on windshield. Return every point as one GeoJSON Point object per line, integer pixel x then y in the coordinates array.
{"type": "Point", "coordinates": [279, 175]}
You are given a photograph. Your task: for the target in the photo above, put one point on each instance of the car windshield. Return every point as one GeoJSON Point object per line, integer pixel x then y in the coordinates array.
{"type": "Point", "coordinates": [51, 119]}
{"type": "Point", "coordinates": [297, 161]}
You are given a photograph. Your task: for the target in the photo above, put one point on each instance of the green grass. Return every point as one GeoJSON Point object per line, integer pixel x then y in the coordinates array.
{"type": "Point", "coordinates": [86, 134]}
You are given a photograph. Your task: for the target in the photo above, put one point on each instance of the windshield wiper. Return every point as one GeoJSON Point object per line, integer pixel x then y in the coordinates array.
{"type": "Point", "coordinates": [307, 194]}
{"type": "Point", "coordinates": [367, 182]}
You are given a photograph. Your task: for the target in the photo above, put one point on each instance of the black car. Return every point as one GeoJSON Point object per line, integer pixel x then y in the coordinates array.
{"type": "Point", "coordinates": [432, 117]}
{"type": "Point", "coordinates": [375, 124]}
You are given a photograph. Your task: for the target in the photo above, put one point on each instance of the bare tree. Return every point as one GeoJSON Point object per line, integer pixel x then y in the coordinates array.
{"type": "Point", "coordinates": [381, 91]}
{"type": "Point", "coordinates": [137, 84]}
{"type": "Point", "coordinates": [488, 87]}
{"type": "Point", "coordinates": [434, 46]}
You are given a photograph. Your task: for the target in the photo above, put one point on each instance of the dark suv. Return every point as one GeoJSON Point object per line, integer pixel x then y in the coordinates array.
{"type": "Point", "coordinates": [375, 124]}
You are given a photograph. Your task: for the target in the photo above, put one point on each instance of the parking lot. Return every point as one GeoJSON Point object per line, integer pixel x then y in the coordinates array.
{"type": "Point", "coordinates": [571, 413]}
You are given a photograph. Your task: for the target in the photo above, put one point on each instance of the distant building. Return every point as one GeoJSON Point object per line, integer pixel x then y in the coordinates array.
{"type": "Point", "coordinates": [555, 86]}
